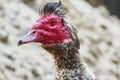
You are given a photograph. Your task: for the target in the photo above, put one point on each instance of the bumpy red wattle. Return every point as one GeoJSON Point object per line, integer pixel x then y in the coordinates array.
{"type": "Point", "coordinates": [50, 29]}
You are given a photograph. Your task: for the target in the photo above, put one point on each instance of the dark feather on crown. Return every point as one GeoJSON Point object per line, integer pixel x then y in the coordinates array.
{"type": "Point", "coordinates": [52, 7]}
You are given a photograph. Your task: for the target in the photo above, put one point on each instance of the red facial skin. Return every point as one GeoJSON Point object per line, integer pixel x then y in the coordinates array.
{"type": "Point", "coordinates": [47, 30]}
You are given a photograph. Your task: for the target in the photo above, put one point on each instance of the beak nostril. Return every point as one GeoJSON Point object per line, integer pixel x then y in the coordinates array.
{"type": "Point", "coordinates": [19, 42]}
{"type": "Point", "coordinates": [34, 32]}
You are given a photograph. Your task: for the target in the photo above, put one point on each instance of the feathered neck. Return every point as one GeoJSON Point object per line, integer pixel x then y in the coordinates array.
{"type": "Point", "coordinates": [68, 62]}
{"type": "Point", "coordinates": [67, 59]}
{"type": "Point", "coordinates": [66, 55]}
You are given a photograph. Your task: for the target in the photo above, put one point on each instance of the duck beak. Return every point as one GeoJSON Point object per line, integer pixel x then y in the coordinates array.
{"type": "Point", "coordinates": [26, 39]}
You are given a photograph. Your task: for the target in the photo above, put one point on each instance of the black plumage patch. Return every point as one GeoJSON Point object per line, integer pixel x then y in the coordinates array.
{"type": "Point", "coordinates": [52, 7]}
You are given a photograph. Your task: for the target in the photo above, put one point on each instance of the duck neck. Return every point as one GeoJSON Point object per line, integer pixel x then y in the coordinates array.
{"type": "Point", "coordinates": [66, 56]}
{"type": "Point", "coordinates": [70, 59]}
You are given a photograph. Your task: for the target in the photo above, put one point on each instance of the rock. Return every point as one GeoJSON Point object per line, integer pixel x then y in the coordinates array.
{"type": "Point", "coordinates": [10, 67]}
{"type": "Point", "coordinates": [35, 72]}
{"type": "Point", "coordinates": [3, 36]}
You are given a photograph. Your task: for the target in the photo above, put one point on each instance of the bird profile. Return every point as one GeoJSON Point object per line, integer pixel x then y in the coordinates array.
{"type": "Point", "coordinates": [54, 34]}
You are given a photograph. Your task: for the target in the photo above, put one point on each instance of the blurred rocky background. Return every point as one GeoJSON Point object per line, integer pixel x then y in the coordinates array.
{"type": "Point", "coordinates": [99, 33]}
{"type": "Point", "coordinates": [113, 6]}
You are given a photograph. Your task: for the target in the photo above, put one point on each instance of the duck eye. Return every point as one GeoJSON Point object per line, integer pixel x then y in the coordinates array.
{"type": "Point", "coordinates": [53, 23]}
{"type": "Point", "coordinates": [34, 32]}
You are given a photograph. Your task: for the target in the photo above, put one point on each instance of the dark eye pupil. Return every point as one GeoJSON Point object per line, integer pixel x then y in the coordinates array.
{"type": "Point", "coordinates": [53, 23]}
{"type": "Point", "coordinates": [34, 32]}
